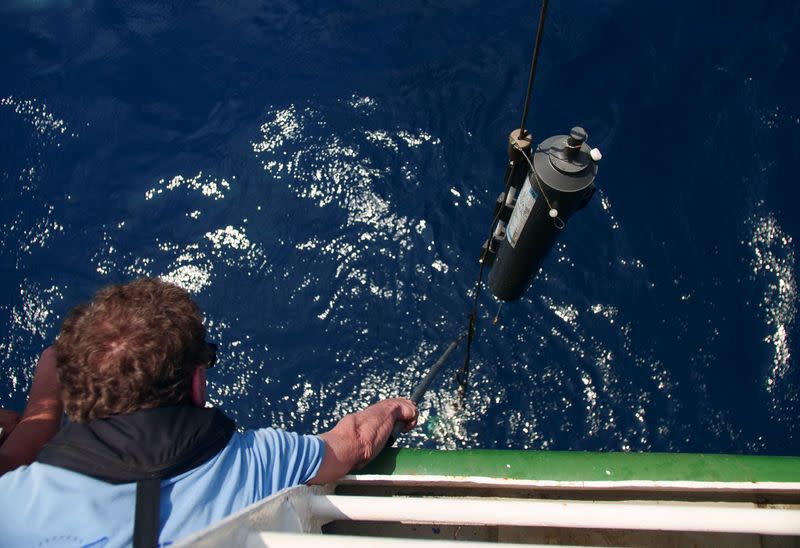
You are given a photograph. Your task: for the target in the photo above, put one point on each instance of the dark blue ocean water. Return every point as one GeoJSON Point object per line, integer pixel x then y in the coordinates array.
{"type": "Point", "coordinates": [320, 176]}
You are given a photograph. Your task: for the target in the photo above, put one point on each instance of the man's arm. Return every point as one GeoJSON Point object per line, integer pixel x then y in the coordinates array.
{"type": "Point", "coordinates": [358, 438]}
{"type": "Point", "coordinates": [41, 420]}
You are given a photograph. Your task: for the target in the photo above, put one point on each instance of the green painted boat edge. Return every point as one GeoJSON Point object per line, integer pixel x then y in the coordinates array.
{"type": "Point", "coordinates": [580, 466]}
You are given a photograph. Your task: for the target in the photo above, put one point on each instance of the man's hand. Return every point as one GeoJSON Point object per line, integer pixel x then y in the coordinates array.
{"type": "Point", "coordinates": [358, 438]}
{"type": "Point", "coordinates": [8, 421]}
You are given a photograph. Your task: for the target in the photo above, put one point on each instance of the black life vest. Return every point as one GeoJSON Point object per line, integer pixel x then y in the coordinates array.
{"type": "Point", "coordinates": [143, 447]}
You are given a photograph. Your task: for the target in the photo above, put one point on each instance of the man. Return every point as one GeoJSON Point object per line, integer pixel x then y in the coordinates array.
{"type": "Point", "coordinates": [132, 367]}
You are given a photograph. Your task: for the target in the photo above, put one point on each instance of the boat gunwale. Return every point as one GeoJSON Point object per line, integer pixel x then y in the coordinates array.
{"type": "Point", "coordinates": [585, 469]}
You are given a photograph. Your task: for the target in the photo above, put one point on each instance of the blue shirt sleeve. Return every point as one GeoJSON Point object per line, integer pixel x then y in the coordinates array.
{"type": "Point", "coordinates": [285, 459]}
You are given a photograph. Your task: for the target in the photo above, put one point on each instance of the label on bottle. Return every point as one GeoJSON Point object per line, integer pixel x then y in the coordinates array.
{"type": "Point", "coordinates": [525, 200]}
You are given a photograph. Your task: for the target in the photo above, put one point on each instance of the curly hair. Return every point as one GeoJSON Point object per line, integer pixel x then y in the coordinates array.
{"type": "Point", "coordinates": [134, 346]}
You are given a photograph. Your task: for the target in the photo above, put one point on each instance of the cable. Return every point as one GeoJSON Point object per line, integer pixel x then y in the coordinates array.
{"type": "Point", "coordinates": [462, 375]}
{"type": "Point", "coordinates": [535, 59]}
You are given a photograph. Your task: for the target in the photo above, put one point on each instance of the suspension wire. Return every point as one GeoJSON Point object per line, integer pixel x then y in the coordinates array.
{"type": "Point", "coordinates": [462, 375]}
{"type": "Point", "coordinates": [532, 76]}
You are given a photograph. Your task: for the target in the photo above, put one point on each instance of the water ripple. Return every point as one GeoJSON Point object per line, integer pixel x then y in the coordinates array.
{"type": "Point", "coordinates": [773, 263]}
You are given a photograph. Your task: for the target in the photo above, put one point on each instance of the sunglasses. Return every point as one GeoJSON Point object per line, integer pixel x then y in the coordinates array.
{"type": "Point", "coordinates": [211, 355]}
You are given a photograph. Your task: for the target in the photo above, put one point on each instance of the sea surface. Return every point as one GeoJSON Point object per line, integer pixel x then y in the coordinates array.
{"type": "Point", "coordinates": [320, 176]}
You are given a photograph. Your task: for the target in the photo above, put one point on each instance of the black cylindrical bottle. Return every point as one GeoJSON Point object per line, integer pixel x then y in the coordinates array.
{"type": "Point", "coordinates": [561, 182]}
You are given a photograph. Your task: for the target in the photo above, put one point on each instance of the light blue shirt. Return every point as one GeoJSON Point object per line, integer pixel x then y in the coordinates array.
{"type": "Point", "coordinates": [42, 505]}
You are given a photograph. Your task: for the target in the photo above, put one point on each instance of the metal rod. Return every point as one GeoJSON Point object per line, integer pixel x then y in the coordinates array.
{"type": "Point", "coordinates": [422, 387]}
{"type": "Point", "coordinates": [497, 316]}
{"type": "Point", "coordinates": [532, 76]}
